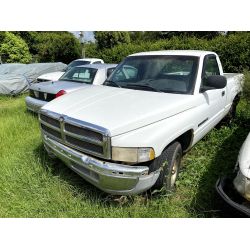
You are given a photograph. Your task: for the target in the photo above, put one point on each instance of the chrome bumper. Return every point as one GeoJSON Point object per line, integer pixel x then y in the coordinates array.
{"type": "Point", "coordinates": [33, 104]}
{"type": "Point", "coordinates": [110, 177]}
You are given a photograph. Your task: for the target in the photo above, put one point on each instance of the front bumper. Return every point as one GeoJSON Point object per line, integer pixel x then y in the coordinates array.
{"type": "Point", "coordinates": [226, 191]}
{"type": "Point", "coordinates": [33, 104]}
{"type": "Point", "coordinates": [110, 177]}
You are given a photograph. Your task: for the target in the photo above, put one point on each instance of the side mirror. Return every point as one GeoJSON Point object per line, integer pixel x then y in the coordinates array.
{"type": "Point", "coordinates": [217, 82]}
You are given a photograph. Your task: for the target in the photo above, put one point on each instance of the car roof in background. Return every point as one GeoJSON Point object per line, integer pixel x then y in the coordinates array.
{"type": "Point", "coordinates": [98, 66]}
{"type": "Point", "coordinates": [89, 59]}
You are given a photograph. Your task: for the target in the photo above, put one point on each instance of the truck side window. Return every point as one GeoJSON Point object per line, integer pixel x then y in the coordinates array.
{"type": "Point", "coordinates": [210, 68]}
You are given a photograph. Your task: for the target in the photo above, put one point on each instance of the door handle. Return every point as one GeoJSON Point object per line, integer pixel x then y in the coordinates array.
{"type": "Point", "coordinates": [223, 93]}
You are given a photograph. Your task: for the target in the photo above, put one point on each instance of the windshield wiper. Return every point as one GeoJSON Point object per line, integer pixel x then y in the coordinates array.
{"type": "Point", "coordinates": [111, 83]}
{"type": "Point", "coordinates": [146, 87]}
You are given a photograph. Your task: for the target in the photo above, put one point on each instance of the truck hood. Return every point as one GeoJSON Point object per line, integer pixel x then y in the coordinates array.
{"type": "Point", "coordinates": [54, 87]}
{"type": "Point", "coordinates": [119, 110]}
{"type": "Point", "coordinates": [53, 76]}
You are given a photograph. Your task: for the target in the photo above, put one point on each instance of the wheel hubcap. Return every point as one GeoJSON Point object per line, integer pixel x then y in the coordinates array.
{"type": "Point", "coordinates": [174, 171]}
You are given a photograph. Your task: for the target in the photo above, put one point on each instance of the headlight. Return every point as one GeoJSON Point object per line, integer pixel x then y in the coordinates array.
{"type": "Point", "coordinates": [242, 185]}
{"type": "Point", "coordinates": [132, 154]}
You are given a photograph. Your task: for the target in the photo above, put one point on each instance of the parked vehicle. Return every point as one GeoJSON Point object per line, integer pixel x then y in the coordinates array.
{"type": "Point", "coordinates": [76, 78]}
{"type": "Point", "coordinates": [54, 76]}
{"type": "Point", "coordinates": [236, 193]}
{"type": "Point", "coordinates": [129, 135]}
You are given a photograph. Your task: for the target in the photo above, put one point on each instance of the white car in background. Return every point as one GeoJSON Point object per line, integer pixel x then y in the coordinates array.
{"type": "Point", "coordinates": [76, 78]}
{"type": "Point", "coordinates": [54, 76]}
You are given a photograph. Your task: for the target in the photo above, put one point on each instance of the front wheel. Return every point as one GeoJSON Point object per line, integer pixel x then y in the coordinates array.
{"type": "Point", "coordinates": [169, 163]}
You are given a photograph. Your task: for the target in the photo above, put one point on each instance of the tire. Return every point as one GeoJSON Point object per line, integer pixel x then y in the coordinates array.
{"type": "Point", "coordinates": [169, 162]}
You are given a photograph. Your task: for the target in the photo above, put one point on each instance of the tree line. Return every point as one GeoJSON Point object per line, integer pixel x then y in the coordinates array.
{"type": "Point", "coordinates": [58, 46]}
{"type": "Point", "coordinates": [35, 46]}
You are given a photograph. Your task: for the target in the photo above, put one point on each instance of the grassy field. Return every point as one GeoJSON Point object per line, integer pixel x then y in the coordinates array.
{"type": "Point", "coordinates": [32, 185]}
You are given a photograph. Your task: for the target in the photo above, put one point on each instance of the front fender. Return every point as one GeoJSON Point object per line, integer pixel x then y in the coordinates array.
{"type": "Point", "coordinates": [157, 135]}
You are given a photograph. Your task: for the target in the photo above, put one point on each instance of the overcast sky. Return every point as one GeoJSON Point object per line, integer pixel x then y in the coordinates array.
{"type": "Point", "coordinates": [88, 35]}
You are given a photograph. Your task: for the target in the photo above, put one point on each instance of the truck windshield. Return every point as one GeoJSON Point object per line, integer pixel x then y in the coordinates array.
{"type": "Point", "coordinates": [79, 74]}
{"type": "Point", "coordinates": [161, 73]}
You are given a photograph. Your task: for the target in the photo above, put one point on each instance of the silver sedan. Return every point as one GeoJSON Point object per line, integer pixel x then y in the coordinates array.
{"type": "Point", "coordinates": [76, 78]}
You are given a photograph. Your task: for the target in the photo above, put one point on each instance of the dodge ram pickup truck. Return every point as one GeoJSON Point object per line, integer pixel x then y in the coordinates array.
{"type": "Point", "coordinates": [129, 135]}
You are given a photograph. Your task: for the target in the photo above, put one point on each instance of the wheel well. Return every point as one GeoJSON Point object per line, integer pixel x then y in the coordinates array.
{"type": "Point", "coordinates": [186, 140]}
{"type": "Point", "coordinates": [237, 98]}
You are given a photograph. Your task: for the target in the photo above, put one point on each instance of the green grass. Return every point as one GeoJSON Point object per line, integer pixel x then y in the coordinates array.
{"type": "Point", "coordinates": [32, 185]}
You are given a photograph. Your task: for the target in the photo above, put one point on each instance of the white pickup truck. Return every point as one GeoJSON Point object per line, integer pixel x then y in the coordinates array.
{"type": "Point", "coordinates": [129, 135]}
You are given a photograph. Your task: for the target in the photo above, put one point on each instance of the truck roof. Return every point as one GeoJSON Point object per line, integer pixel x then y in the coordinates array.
{"type": "Point", "coordinates": [198, 53]}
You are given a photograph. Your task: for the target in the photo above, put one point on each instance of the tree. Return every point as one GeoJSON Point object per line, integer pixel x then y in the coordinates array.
{"type": "Point", "coordinates": [2, 36]}
{"type": "Point", "coordinates": [156, 35]}
{"type": "Point", "coordinates": [14, 49]}
{"type": "Point", "coordinates": [30, 37]}
{"type": "Point", "coordinates": [108, 39]}
{"type": "Point", "coordinates": [57, 46]}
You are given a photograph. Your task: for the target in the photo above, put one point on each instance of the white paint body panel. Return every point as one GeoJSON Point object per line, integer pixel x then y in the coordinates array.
{"type": "Point", "coordinates": [137, 118]}
{"type": "Point", "coordinates": [54, 76]}
{"type": "Point", "coordinates": [244, 158]}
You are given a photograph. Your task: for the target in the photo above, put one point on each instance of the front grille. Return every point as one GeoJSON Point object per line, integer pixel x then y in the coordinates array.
{"type": "Point", "coordinates": [82, 144]}
{"type": "Point", "coordinates": [83, 132]}
{"type": "Point", "coordinates": [50, 120]}
{"type": "Point", "coordinates": [79, 136]}
{"type": "Point", "coordinates": [51, 131]}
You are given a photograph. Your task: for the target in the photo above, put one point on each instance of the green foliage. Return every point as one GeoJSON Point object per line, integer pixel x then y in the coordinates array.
{"type": "Point", "coordinates": [233, 49]}
{"type": "Point", "coordinates": [30, 37]}
{"type": "Point", "coordinates": [2, 36]}
{"type": "Point", "coordinates": [156, 35]}
{"type": "Point", "coordinates": [57, 46]}
{"type": "Point", "coordinates": [14, 49]}
{"type": "Point", "coordinates": [246, 87]}
{"type": "Point", "coordinates": [109, 39]}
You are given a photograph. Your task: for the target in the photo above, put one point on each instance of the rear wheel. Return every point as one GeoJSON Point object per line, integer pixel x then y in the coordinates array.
{"type": "Point", "coordinates": [169, 164]}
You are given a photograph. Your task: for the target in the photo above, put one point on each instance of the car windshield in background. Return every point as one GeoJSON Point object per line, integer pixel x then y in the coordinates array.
{"type": "Point", "coordinates": [76, 63]}
{"type": "Point", "coordinates": [170, 74]}
{"type": "Point", "coordinates": [79, 74]}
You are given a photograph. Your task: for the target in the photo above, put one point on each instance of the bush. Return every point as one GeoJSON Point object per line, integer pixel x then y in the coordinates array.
{"type": "Point", "coordinates": [246, 87]}
{"type": "Point", "coordinates": [14, 49]}
{"type": "Point", "coordinates": [109, 39]}
{"type": "Point", "coordinates": [57, 46]}
{"type": "Point", "coordinates": [233, 49]}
